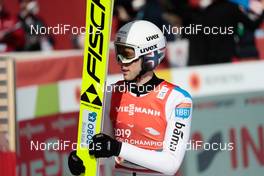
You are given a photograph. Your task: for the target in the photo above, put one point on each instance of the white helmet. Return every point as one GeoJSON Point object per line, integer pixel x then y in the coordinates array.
{"type": "Point", "coordinates": [144, 39]}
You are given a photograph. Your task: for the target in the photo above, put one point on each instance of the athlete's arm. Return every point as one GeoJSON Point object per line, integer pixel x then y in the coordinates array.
{"type": "Point", "coordinates": [168, 161]}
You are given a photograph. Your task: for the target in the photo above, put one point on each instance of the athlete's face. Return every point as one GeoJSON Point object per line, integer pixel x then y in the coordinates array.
{"type": "Point", "coordinates": [130, 70]}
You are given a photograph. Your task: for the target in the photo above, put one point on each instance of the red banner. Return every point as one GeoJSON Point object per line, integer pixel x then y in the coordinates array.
{"type": "Point", "coordinates": [45, 144]}
{"type": "Point", "coordinates": [7, 163]}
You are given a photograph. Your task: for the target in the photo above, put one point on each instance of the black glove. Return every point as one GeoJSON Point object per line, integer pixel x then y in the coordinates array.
{"type": "Point", "coordinates": [104, 146]}
{"type": "Point", "coordinates": [75, 164]}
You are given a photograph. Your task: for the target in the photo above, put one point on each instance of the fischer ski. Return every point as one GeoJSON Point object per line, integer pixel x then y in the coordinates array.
{"type": "Point", "coordinates": [96, 53]}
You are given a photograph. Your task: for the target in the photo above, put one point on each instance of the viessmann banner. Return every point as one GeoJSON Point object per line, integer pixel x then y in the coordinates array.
{"type": "Point", "coordinates": [61, 87]}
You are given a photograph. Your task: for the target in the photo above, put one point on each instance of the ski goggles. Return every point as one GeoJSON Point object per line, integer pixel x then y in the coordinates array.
{"type": "Point", "coordinates": [126, 53]}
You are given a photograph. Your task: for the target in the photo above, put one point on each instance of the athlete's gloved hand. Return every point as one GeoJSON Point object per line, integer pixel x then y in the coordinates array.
{"type": "Point", "coordinates": [103, 146]}
{"type": "Point", "coordinates": [75, 164]}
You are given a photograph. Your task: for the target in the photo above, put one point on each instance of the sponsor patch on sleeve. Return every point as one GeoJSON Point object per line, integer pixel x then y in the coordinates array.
{"type": "Point", "coordinates": [183, 110]}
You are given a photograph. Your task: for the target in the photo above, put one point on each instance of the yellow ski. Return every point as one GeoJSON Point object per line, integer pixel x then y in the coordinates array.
{"type": "Point", "coordinates": [96, 51]}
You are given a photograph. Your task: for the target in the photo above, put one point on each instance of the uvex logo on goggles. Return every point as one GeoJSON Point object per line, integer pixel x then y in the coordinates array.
{"type": "Point", "coordinates": [150, 48]}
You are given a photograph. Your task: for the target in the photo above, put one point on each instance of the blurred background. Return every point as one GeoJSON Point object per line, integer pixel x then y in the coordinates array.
{"type": "Point", "coordinates": [40, 80]}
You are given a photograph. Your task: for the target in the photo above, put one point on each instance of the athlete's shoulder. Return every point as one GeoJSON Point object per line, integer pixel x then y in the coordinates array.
{"type": "Point", "coordinates": [168, 84]}
{"type": "Point", "coordinates": [183, 92]}
{"type": "Point", "coordinates": [178, 90]}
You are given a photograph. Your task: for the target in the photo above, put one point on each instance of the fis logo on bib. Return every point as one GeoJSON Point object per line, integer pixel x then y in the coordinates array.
{"type": "Point", "coordinates": [183, 110]}
{"type": "Point", "coordinates": [162, 92]}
